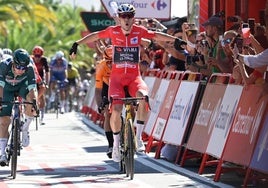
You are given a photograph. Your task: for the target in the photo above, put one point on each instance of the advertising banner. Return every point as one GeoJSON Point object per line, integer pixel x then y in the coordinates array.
{"type": "Point", "coordinates": [166, 107]}
{"type": "Point", "coordinates": [150, 80]}
{"type": "Point", "coordinates": [260, 155]}
{"type": "Point", "coordinates": [159, 9]}
{"type": "Point", "coordinates": [224, 120]}
{"type": "Point", "coordinates": [96, 21]}
{"type": "Point", "coordinates": [206, 116]}
{"type": "Point", "coordinates": [247, 123]}
{"type": "Point", "coordinates": [180, 113]}
{"type": "Point", "coordinates": [156, 105]}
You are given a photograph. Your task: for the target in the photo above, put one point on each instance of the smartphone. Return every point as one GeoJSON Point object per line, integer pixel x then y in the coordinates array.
{"type": "Point", "coordinates": [251, 23]}
{"type": "Point", "coordinates": [245, 25]}
{"type": "Point", "coordinates": [239, 43]}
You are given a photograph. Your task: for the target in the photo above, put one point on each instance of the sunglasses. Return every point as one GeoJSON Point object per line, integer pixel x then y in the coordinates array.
{"type": "Point", "coordinates": [227, 41]}
{"type": "Point", "coordinates": [37, 56]}
{"type": "Point", "coordinates": [20, 67]}
{"type": "Point", "coordinates": [129, 16]}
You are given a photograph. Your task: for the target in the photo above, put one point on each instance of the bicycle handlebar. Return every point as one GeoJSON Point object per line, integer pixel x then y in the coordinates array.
{"type": "Point", "coordinates": [17, 102]}
{"type": "Point", "coordinates": [132, 99]}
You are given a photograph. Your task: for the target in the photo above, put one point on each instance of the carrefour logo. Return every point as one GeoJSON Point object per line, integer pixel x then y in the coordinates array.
{"type": "Point", "coordinates": [159, 5]}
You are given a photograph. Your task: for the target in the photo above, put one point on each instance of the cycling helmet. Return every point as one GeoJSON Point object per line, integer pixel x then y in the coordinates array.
{"type": "Point", "coordinates": [126, 8]}
{"type": "Point", "coordinates": [38, 50]}
{"type": "Point", "coordinates": [59, 55]}
{"type": "Point", "coordinates": [7, 51]}
{"type": "Point", "coordinates": [108, 52]}
{"type": "Point", "coordinates": [70, 64]}
{"type": "Point", "coordinates": [21, 57]}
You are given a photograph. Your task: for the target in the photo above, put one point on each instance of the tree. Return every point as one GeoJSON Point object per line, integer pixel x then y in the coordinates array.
{"type": "Point", "coordinates": [26, 23]}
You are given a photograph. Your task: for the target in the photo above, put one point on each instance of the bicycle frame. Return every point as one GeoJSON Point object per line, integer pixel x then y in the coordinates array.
{"type": "Point", "coordinates": [128, 137]}
{"type": "Point", "coordinates": [14, 141]}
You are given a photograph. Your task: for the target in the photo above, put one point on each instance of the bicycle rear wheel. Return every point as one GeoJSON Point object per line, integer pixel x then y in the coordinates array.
{"type": "Point", "coordinates": [57, 105]}
{"type": "Point", "coordinates": [15, 146]}
{"type": "Point", "coordinates": [130, 150]}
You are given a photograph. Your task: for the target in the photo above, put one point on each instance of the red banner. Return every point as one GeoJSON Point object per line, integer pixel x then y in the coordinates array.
{"type": "Point", "coordinates": [207, 113]}
{"type": "Point", "coordinates": [247, 123]}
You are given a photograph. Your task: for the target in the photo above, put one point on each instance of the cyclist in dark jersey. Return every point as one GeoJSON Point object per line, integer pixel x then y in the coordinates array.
{"type": "Point", "coordinates": [16, 76]}
{"type": "Point", "coordinates": [126, 38]}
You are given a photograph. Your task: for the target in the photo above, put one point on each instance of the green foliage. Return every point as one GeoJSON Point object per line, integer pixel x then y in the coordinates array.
{"type": "Point", "coordinates": [54, 26]}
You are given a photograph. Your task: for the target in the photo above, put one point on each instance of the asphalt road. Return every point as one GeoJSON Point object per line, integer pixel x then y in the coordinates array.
{"type": "Point", "coordinates": [70, 152]}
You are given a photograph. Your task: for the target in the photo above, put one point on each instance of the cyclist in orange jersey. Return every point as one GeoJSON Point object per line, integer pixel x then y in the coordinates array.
{"type": "Point", "coordinates": [103, 71]}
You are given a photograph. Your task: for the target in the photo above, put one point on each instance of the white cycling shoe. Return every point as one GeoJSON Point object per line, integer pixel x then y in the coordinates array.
{"type": "Point", "coordinates": [116, 155]}
{"type": "Point", "coordinates": [25, 140]}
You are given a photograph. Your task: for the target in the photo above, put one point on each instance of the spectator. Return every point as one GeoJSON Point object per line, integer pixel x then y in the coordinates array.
{"type": "Point", "coordinates": [172, 58]}
{"type": "Point", "coordinates": [259, 35]}
{"type": "Point", "coordinates": [213, 28]}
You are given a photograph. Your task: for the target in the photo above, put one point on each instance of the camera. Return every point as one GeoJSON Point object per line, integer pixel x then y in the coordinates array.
{"type": "Point", "coordinates": [205, 43]}
{"type": "Point", "coordinates": [239, 42]}
{"type": "Point", "coordinates": [192, 58]}
{"type": "Point", "coordinates": [245, 25]}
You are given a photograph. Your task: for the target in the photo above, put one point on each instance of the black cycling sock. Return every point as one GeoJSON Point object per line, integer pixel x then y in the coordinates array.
{"type": "Point", "coordinates": [110, 138]}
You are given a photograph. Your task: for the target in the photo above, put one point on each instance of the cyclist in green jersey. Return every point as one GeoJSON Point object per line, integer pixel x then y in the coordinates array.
{"type": "Point", "coordinates": [16, 77]}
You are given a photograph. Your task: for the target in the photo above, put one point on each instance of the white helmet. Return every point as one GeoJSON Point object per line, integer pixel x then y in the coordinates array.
{"type": "Point", "coordinates": [126, 8]}
{"type": "Point", "coordinates": [7, 51]}
{"type": "Point", "coordinates": [59, 55]}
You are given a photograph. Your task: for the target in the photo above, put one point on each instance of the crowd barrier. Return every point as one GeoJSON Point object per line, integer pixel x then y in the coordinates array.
{"type": "Point", "coordinates": [214, 121]}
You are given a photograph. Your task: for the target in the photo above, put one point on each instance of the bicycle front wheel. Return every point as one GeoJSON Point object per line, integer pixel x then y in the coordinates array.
{"type": "Point", "coordinates": [15, 146]}
{"type": "Point", "coordinates": [122, 164]}
{"type": "Point", "coordinates": [130, 150]}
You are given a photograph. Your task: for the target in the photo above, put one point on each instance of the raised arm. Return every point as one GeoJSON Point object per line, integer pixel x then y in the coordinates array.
{"type": "Point", "coordinates": [87, 39]}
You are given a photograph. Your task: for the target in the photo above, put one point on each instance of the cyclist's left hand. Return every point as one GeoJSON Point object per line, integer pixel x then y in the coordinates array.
{"type": "Point", "coordinates": [180, 44]}
{"type": "Point", "coordinates": [35, 109]}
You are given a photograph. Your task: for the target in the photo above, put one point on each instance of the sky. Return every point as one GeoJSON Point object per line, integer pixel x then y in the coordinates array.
{"type": "Point", "coordinates": [178, 7]}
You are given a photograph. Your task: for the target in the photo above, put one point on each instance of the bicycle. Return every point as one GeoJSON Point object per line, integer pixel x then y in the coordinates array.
{"type": "Point", "coordinates": [56, 102]}
{"type": "Point", "coordinates": [14, 141]}
{"type": "Point", "coordinates": [127, 135]}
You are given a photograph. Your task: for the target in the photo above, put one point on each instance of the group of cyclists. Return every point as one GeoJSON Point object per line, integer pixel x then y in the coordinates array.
{"type": "Point", "coordinates": [29, 76]}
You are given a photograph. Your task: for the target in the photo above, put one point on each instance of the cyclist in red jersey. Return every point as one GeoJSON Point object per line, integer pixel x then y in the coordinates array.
{"type": "Point", "coordinates": [41, 63]}
{"type": "Point", "coordinates": [126, 39]}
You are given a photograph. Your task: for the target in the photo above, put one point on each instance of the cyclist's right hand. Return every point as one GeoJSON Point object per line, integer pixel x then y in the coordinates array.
{"type": "Point", "coordinates": [103, 104]}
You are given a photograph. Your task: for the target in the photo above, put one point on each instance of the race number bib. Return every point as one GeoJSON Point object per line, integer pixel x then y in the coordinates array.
{"type": "Point", "coordinates": [126, 55]}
